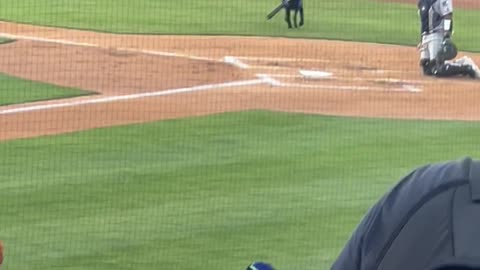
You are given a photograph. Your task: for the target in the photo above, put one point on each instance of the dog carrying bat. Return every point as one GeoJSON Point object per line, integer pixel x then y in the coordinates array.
{"type": "Point", "coordinates": [289, 5]}
{"type": "Point", "coordinates": [275, 11]}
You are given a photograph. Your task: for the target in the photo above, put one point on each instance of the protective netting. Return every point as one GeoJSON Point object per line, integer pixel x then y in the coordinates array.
{"type": "Point", "coordinates": [195, 134]}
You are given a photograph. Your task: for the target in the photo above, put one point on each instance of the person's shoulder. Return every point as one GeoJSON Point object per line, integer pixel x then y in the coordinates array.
{"type": "Point", "coordinates": [1, 252]}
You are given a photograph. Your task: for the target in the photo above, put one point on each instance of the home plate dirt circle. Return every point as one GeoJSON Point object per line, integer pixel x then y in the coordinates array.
{"type": "Point", "coordinates": [183, 76]}
{"type": "Point", "coordinates": [287, 73]}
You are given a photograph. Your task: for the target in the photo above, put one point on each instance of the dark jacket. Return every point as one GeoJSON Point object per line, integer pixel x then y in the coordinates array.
{"type": "Point", "coordinates": [431, 218]}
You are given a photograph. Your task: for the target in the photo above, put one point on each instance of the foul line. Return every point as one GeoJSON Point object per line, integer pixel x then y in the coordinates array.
{"type": "Point", "coordinates": [92, 45]}
{"type": "Point", "coordinates": [351, 88]}
{"type": "Point", "coordinates": [48, 40]}
{"type": "Point", "coordinates": [133, 96]}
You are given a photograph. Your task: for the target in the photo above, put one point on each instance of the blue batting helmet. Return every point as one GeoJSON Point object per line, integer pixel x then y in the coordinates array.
{"type": "Point", "coordinates": [260, 266]}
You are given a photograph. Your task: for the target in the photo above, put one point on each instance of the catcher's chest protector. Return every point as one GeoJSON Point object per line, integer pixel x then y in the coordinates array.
{"type": "Point", "coordinates": [430, 220]}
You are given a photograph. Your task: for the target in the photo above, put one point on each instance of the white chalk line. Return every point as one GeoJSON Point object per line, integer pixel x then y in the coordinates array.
{"type": "Point", "coordinates": [338, 70]}
{"type": "Point", "coordinates": [168, 54]}
{"type": "Point", "coordinates": [92, 45]}
{"type": "Point", "coordinates": [108, 99]}
{"type": "Point", "coordinates": [313, 60]}
{"type": "Point", "coordinates": [348, 88]}
{"type": "Point", "coordinates": [291, 76]}
{"type": "Point", "coordinates": [405, 87]}
{"type": "Point", "coordinates": [411, 88]}
{"type": "Point", "coordinates": [269, 78]}
{"type": "Point", "coordinates": [235, 62]}
{"type": "Point", "coordinates": [344, 78]}
{"type": "Point", "coordinates": [229, 59]}
{"type": "Point", "coordinates": [281, 59]}
{"type": "Point", "coordinates": [390, 80]}
{"type": "Point", "coordinates": [48, 40]}
{"type": "Point", "coordinates": [271, 67]}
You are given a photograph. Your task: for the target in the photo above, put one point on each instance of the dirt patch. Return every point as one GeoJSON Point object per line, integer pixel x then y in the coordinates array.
{"type": "Point", "coordinates": [109, 71]}
{"type": "Point", "coordinates": [465, 4]}
{"type": "Point", "coordinates": [385, 84]}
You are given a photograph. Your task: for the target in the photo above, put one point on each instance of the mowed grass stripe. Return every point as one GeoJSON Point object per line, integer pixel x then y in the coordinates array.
{"type": "Point", "coordinates": [359, 20]}
{"type": "Point", "coordinates": [214, 192]}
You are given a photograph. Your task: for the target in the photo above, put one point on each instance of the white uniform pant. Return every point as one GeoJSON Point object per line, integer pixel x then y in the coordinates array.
{"type": "Point", "coordinates": [431, 45]}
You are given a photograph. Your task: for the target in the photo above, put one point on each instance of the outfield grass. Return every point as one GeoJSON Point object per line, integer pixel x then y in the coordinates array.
{"type": "Point", "coordinates": [362, 20]}
{"type": "Point", "coordinates": [13, 91]}
{"type": "Point", "coordinates": [208, 193]}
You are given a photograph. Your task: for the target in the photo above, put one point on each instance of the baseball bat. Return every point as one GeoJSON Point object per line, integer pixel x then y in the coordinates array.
{"type": "Point", "coordinates": [275, 11]}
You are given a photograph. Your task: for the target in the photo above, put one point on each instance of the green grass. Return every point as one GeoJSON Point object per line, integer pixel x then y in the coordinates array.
{"type": "Point", "coordinates": [208, 193]}
{"type": "Point", "coordinates": [5, 40]}
{"type": "Point", "coordinates": [14, 91]}
{"type": "Point", "coordinates": [362, 20]}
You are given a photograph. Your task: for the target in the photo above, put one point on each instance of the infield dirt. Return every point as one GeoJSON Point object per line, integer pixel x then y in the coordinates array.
{"type": "Point", "coordinates": [369, 80]}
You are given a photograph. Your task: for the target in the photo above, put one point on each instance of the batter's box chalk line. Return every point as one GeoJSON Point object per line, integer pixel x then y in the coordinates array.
{"type": "Point", "coordinates": [265, 60]}
{"type": "Point", "coordinates": [235, 62]}
{"type": "Point", "coordinates": [411, 88]}
{"type": "Point", "coordinates": [282, 59]}
{"type": "Point", "coordinates": [315, 74]}
{"type": "Point", "coordinates": [268, 78]}
{"type": "Point", "coordinates": [351, 88]}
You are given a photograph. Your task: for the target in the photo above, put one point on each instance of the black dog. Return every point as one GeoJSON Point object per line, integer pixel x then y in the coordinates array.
{"type": "Point", "coordinates": [297, 6]}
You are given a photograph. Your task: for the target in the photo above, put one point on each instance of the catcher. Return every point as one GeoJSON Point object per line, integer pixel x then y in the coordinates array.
{"type": "Point", "coordinates": [437, 49]}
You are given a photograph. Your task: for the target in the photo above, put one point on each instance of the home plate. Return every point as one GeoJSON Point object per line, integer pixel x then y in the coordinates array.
{"type": "Point", "coordinates": [315, 74]}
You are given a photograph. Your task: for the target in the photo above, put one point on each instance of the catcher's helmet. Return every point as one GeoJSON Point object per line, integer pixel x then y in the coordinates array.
{"type": "Point", "coordinates": [448, 51]}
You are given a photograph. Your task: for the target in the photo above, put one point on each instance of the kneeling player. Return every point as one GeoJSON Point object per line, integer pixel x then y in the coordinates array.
{"type": "Point", "coordinates": [436, 48]}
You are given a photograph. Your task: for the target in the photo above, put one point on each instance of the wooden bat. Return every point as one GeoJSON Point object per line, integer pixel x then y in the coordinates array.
{"type": "Point", "coordinates": [275, 11]}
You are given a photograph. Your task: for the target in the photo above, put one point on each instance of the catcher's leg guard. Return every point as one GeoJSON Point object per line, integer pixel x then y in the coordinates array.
{"type": "Point", "coordinates": [449, 70]}
{"type": "Point", "coordinates": [425, 63]}
{"type": "Point", "coordinates": [427, 66]}
{"type": "Point", "coordinates": [465, 60]}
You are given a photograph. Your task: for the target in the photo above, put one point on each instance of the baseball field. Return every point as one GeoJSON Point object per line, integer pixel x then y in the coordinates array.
{"type": "Point", "coordinates": [181, 134]}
